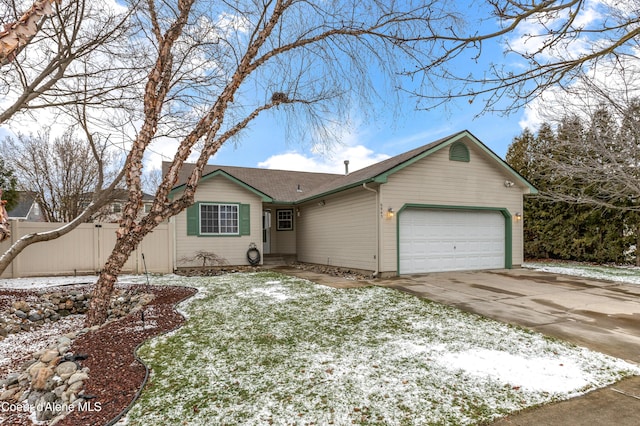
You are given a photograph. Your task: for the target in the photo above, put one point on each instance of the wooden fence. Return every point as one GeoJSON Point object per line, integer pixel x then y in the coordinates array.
{"type": "Point", "coordinates": [85, 250]}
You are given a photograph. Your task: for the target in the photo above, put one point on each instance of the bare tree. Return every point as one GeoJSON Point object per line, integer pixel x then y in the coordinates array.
{"type": "Point", "coordinates": [83, 68]}
{"type": "Point", "coordinates": [312, 61]}
{"type": "Point", "coordinates": [61, 171]}
{"type": "Point", "coordinates": [86, 52]}
{"type": "Point", "coordinates": [547, 44]}
{"type": "Point", "coordinates": [595, 156]}
{"type": "Point", "coordinates": [57, 186]}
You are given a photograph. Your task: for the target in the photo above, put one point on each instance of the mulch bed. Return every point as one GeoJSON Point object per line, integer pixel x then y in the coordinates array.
{"type": "Point", "coordinates": [115, 376]}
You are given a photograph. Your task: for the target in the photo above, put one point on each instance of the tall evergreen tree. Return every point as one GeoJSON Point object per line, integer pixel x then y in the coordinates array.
{"type": "Point", "coordinates": [629, 132]}
{"type": "Point", "coordinates": [8, 184]}
{"type": "Point", "coordinates": [559, 229]}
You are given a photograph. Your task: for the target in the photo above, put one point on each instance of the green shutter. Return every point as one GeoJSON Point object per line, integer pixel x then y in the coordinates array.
{"type": "Point", "coordinates": [245, 219]}
{"type": "Point", "coordinates": [193, 219]}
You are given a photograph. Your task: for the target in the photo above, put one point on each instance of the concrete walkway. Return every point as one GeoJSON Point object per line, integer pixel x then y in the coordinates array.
{"type": "Point", "coordinates": [601, 315]}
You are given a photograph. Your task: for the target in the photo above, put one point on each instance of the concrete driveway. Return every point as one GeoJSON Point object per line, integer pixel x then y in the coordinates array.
{"type": "Point", "coordinates": [601, 315]}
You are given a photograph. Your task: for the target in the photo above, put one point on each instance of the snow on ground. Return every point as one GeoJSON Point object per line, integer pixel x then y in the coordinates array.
{"type": "Point", "coordinates": [259, 350]}
{"type": "Point", "coordinates": [45, 282]}
{"type": "Point", "coordinates": [270, 349]}
{"type": "Point", "coordinates": [17, 347]}
{"type": "Point", "coordinates": [536, 374]}
{"type": "Point", "coordinates": [629, 274]}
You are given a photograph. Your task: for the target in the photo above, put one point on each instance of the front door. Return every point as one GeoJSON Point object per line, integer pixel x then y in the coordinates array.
{"type": "Point", "coordinates": [266, 231]}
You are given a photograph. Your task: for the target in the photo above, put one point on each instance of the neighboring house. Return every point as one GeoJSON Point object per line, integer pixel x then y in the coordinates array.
{"type": "Point", "coordinates": [112, 211]}
{"type": "Point", "coordinates": [27, 209]}
{"type": "Point", "coordinates": [450, 205]}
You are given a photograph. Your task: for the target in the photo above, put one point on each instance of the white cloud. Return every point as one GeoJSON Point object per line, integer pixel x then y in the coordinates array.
{"type": "Point", "coordinates": [604, 81]}
{"type": "Point", "coordinates": [612, 83]}
{"type": "Point", "coordinates": [359, 157]}
{"type": "Point", "coordinates": [533, 34]}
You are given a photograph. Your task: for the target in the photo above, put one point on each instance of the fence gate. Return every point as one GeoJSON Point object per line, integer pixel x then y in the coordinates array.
{"type": "Point", "coordinates": [85, 250]}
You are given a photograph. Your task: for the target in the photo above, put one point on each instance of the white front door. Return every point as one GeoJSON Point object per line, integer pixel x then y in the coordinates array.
{"type": "Point", "coordinates": [433, 240]}
{"type": "Point", "coordinates": [266, 231]}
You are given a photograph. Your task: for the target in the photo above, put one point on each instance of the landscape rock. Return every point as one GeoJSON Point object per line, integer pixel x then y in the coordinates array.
{"type": "Point", "coordinates": [78, 376]}
{"type": "Point", "coordinates": [9, 394]}
{"type": "Point", "coordinates": [33, 368]}
{"type": "Point", "coordinates": [40, 381]}
{"type": "Point", "coordinates": [45, 383]}
{"type": "Point", "coordinates": [53, 378]}
{"type": "Point", "coordinates": [24, 315]}
{"type": "Point", "coordinates": [49, 355]}
{"type": "Point", "coordinates": [10, 380]}
{"type": "Point", "coordinates": [48, 411]}
{"type": "Point", "coordinates": [66, 369]}
{"type": "Point", "coordinates": [35, 317]}
{"type": "Point", "coordinates": [21, 305]}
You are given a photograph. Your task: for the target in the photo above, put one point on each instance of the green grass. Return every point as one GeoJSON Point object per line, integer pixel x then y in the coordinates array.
{"type": "Point", "coordinates": [270, 349]}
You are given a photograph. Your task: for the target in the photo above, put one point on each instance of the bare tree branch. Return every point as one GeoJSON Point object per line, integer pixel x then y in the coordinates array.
{"type": "Point", "coordinates": [551, 42]}
{"type": "Point", "coordinates": [17, 35]}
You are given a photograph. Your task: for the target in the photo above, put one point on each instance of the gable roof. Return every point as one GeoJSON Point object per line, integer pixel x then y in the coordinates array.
{"type": "Point", "coordinates": [26, 200]}
{"type": "Point", "coordinates": [271, 185]}
{"type": "Point", "coordinates": [292, 187]}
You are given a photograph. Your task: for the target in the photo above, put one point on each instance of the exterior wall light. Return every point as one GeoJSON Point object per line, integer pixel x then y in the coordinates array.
{"type": "Point", "coordinates": [518, 216]}
{"type": "Point", "coordinates": [390, 213]}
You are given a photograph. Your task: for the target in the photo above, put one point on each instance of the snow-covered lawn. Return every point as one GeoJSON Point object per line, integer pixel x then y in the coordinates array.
{"type": "Point", "coordinates": [628, 274]}
{"type": "Point", "coordinates": [265, 348]}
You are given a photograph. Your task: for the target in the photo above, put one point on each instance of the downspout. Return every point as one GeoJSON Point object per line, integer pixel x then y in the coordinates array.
{"type": "Point", "coordinates": [377, 271]}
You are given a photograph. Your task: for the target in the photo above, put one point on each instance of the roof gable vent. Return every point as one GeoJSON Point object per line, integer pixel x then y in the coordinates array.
{"type": "Point", "coordinates": [459, 152]}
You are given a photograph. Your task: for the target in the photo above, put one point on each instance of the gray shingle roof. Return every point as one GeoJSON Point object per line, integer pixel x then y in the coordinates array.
{"type": "Point", "coordinates": [282, 185]}
{"type": "Point", "coordinates": [25, 201]}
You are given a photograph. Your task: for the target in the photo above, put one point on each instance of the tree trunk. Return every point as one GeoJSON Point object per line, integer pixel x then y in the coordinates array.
{"type": "Point", "coordinates": [638, 246]}
{"type": "Point", "coordinates": [99, 305]}
{"type": "Point", "coordinates": [5, 226]}
{"type": "Point", "coordinates": [17, 34]}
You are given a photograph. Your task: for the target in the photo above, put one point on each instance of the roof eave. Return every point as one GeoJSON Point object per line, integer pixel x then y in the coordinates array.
{"type": "Point", "coordinates": [219, 172]}
{"type": "Point", "coordinates": [383, 177]}
{"type": "Point", "coordinates": [335, 191]}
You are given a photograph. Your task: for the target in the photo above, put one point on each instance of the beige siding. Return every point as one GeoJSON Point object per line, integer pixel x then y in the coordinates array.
{"type": "Point", "coordinates": [84, 250]}
{"type": "Point", "coordinates": [436, 180]}
{"type": "Point", "coordinates": [282, 242]}
{"type": "Point", "coordinates": [232, 248]}
{"type": "Point", "coordinates": [342, 232]}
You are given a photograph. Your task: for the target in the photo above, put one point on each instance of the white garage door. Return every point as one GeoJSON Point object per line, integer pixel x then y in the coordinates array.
{"type": "Point", "coordinates": [451, 240]}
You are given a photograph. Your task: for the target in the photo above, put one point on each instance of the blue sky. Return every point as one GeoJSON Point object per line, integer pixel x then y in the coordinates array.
{"type": "Point", "coordinates": [265, 143]}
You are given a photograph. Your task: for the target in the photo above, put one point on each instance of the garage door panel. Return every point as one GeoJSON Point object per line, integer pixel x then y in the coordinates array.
{"type": "Point", "coordinates": [447, 240]}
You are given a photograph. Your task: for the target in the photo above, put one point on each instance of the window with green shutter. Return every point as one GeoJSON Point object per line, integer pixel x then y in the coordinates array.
{"type": "Point", "coordinates": [218, 219]}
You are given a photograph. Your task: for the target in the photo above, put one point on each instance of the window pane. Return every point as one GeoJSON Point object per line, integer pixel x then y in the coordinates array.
{"type": "Point", "coordinates": [219, 218]}
{"type": "Point", "coordinates": [208, 213]}
{"type": "Point", "coordinates": [228, 219]}
{"type": "Point", "coordinates": [285, 220]}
